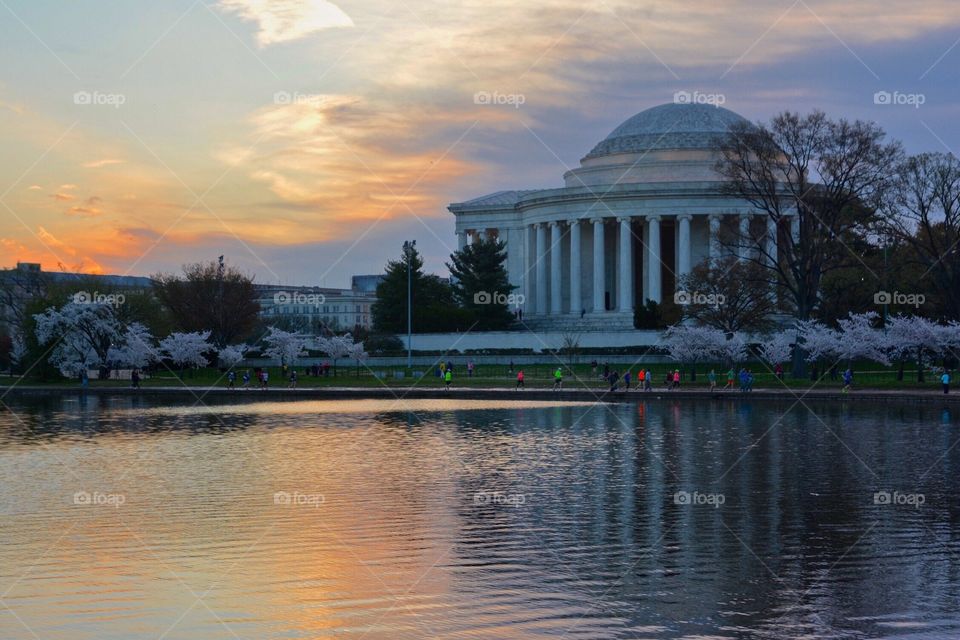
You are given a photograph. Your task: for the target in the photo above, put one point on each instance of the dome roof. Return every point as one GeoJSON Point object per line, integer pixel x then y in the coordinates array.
{"type": "Point", "coordinates": [668, 126]}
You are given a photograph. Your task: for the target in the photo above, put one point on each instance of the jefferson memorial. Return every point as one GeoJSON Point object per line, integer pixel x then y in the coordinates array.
{"type": "Point", "coordinates": [644, 207]}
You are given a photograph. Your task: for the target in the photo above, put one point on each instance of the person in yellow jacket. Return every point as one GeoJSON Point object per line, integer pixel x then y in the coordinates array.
{"type": "Point", "coordinates": [558, 379]}
{"type": "Point", "coordinates": [448, 378]}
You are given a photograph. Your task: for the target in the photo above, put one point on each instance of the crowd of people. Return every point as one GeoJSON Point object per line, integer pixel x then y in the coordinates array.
{"type": "Point", "coordinates": [638, 377]}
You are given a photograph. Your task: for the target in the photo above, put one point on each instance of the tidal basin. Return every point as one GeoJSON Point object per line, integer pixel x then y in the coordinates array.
{"type": "Point", "coordinates": [124, 518]}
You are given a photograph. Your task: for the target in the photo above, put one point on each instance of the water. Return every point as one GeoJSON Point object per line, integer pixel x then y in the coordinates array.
{"type": "Point", "coordinates": [446, 519]}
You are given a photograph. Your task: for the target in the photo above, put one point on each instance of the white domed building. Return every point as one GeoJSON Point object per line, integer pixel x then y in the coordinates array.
{"type": "Point", "coordinates": [644, 207]}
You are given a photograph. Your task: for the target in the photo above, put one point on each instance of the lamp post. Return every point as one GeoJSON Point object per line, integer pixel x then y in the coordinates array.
{"type": "Point", "coordinates": [408, 252]}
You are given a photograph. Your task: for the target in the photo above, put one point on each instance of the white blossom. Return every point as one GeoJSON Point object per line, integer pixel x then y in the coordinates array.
{"type": "Point", "coordinates": [777, 348]}
{"type": "Point", "coordinates": [232, 355]}
{"type": "Point", "coordinates": [285, 346]}
{"type": "Point", "coordinates": [84, 333]}
{"type": "Point", "coordinates": [136, 348]}
{"type": "Point", "coordinates": [186, 349]}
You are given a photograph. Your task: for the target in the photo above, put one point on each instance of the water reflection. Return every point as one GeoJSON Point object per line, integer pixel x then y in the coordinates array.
{"type": "Point", "coordinates": [448, 521]}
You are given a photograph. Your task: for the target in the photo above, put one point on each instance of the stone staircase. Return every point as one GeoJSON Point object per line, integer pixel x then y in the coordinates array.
{"type": "Point", "coordinates": [573, 323]}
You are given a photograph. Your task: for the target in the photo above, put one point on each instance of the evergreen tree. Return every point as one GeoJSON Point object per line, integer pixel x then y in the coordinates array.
{"type": "Point", "coordinates": [433, 306]}
{"type": "Point", "coordinates": [481, 285]}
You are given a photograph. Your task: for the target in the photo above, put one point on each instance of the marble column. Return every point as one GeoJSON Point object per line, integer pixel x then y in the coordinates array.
{"type": "Point", "coordinates": [683, 245]}
{"type": "Point", "coordinates": [743, 241]}
{"type": "Point", "coordinates": [541, 257]}
{"type": "Point", "coordinates": [599, 276]}
{"type": "Point", "coordinates": [772, 240]}
{"type": "Point", "coordinates": [653, 246]}
{"type": "Point", "coordinates": [576, 303]}
{"type": "Point", "coordinates": [461, 240]}
{"type": "Point", "coordinates": [795, 229]}
{"type": "Point", "coordinates": [714, 237]}
{"type": "Point", "coordinates": [556, 252]}
{"type": "Point", "coordinates": [528, 251]}
{"type": "Point", "coordinates": [625, 288]}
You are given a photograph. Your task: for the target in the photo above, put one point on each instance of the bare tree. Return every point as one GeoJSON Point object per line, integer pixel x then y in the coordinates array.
{"type": "Point", "coordinates": [728, 295]}
{"type": "Point", "coordinates": [925, 215]}
{"type": "Point", "coordinates": [818, 182]}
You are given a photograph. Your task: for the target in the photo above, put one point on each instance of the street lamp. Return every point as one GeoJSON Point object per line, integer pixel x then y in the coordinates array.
{"type": "Point", "coordinates": [408, 252]}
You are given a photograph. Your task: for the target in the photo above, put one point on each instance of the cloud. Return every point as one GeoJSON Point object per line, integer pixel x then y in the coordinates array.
{"type": "Point", "coordinates": [63, 197]}
{"type": "Point", "coordinates": [57, 252]}
{"type": "Point", "coordinates": [96, 164]}
{"type": "Point", "coordinates": [343, 160]}
{"type": "Point", "coordinates": [34, 187]}
{"type": "Point", "coordinates": [287, 20]}
{"type": "Point", "coordinates": [84, 212]}
{"type": "Point", "coordinates": [67, 187]}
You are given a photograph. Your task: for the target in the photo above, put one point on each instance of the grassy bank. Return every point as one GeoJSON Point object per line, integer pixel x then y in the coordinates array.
{"type": "Point", "coordinates": [579, 376]}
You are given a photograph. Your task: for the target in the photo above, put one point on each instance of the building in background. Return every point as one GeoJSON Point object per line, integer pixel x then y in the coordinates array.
{"type": "Point", "coordinates": [319, 309]}
{"type": "Point", "coordinates": [309, 309]}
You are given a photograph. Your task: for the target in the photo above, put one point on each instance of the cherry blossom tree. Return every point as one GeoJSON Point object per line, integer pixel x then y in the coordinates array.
{"type": "Point", "coordinates": [186, 349]}
{"type": "Point", "coordinates": [135, 349]}
{"type": "Point", "coordinates": [358, 353]}
{"type": "Point", "coordinates": [232, 355]}
{"type": "Point", "coordinates": [83, 333]}
{"type": "Point", "coordinates": [921, 338]}
{"type": "Point", "coordinates": [338, 347]}
{"type": "Point", "coordinates": [819, 341]}
{"type": "Point", "coordinates": [861, 340]}
{"type": "Point", "coordinates": [777, 347]}
{"type": "Point", "coordinates": [285, 346]}
{"type": "Point", "coordinates": [692, 344]}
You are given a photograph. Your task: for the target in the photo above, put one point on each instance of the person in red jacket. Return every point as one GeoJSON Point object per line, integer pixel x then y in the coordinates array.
{"type": "Point", "coordinates": [519, 381]}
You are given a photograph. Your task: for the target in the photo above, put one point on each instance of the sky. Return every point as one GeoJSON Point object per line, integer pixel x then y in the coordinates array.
{"type": "Point", "coordinates": [305, 140]}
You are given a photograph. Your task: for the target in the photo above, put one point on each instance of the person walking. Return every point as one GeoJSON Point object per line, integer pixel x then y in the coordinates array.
{"type": "Point", "coordinates": [778, 371]}
{"type": "Point", "coordinates": [266, 380]}
{"type": "Point", "coordinates": [293, 379]}
{"type": "Point", "coordinates": [743, 379]}
{"type": "Point", "coordinates": [648, 381]}
{"type": "Point", "coordinates": [847, 380]}
{"type": "Point", "coordinates": [731, 375]}
{"type": "Point", "coordinates": [945, 381]}
{"type": "Point", "coordinates": [470, 369]}
{"type": "Point", "coordinates": [712, 377]}
{"type": "Point", "coordinates": [231, 379]}
{"type": "Point", "coordinates": [749, 381]}
{"type": "Point", "coordinates": [558, 379]}
{"type": "Point", "coordinates": [626, 380]}
{"type": "Point", "coordinates": [519, 381]}
{"type": "Point", "coordinates": [135, 378]}
{"type": "Point", "coordinates": [641, 378]}
{"type": "Point", "coordinates": [614, 380]}
{"type": "Point", "coordinates": [246, 379]}
{"type": "Point", "coordinates": [676, 379]}
{"type": "Point", "coordinates": [447, 379]}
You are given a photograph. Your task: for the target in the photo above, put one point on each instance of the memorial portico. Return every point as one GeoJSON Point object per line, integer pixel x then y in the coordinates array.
{"type": "Point", "coordinates": [644, 207]}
